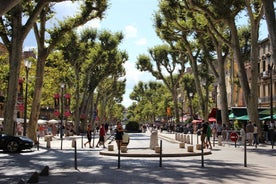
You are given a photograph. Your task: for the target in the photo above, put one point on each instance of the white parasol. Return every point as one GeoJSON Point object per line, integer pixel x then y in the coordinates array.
{"type": "Point", "coordinates": [41, 121]}
{"type": "Point", "coordinates": [53, 121]}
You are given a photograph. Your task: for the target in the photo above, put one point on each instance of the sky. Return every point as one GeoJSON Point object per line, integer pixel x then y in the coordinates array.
{"type": "Point", "coordinates": [135, 19]}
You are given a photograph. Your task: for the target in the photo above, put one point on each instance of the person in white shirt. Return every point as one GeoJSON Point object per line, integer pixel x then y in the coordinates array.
{"type": "Point", "coordinates": [255, 135]}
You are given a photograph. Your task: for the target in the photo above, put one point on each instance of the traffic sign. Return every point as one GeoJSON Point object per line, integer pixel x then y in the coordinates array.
{"type": "Point", "coordinates": [234, 136]}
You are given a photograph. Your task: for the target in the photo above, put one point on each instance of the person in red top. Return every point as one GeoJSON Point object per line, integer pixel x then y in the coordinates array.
{"type": "Point", "coordinates": [102, 135]}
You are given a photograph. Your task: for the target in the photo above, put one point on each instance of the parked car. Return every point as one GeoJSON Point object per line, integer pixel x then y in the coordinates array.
{"type": "Point", "coordinates": [15, 143]}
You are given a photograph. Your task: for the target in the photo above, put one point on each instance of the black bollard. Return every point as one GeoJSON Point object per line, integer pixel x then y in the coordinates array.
{"type": "Point", "coordinates": [160, 159]}
{"type": "Point", "coordinates": [245, 156]}
{"type": "Point", "coordinates": [75, 145]}
{"type": "Point", "coordinates": [202, 155]}
{"type": "Point", "coordinates": [37, 142]}
{"type": "Point", "coordinates": [82, 140]}
{"type": "Point", "coordinates": [119, 157]}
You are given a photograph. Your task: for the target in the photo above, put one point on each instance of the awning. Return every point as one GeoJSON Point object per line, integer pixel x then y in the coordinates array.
{"type": "Point", "coordinates": [239, 111]}
{"type": "Point", "coordinates": [267, 111]}
{"type": "Point", "coordinates": [211, 119]}
{"type": "Point", "coordinates": [53, 121]}
{"type": "Point", "coordinates": [197, 121]}
{"type": "Point", "coordinates": [268, 117]}
{"type": "Point", "coordinates": [41, 121]}
{"type": "Point", "coordinates": [243, 118]}
{"type": "Point", "coordinates": [232, 116]}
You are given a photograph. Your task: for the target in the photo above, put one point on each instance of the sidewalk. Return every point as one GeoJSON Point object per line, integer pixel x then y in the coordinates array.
{"type": "Point", "coordinates": [224, 165]}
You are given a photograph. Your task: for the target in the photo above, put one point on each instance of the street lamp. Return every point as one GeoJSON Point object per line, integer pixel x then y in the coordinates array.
{"type": "Point", "coordinates": [192, 129]}
{"type": "Point", "coordinates": [62, 85]}
{"type": "Point", "coordinates": [191, 107]}
{"type": "Point", "coordinates": [28, 65]}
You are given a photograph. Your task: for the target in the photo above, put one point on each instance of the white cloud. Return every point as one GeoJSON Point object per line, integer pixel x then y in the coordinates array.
{"type": "Point", "coordinates": [142, 41]}
{"type": "Point", "coordinates": [133, 76]}
{"type": "Point", "coordinates": [95, 23]}
{"type": "Point", "coordinates": [130, 31]}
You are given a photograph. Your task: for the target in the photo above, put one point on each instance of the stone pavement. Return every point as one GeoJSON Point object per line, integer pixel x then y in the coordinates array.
{"type": "Point", "coordinates": [225, 164]}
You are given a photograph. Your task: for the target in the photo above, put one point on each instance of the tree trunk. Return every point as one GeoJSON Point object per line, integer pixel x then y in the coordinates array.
{"type": "Point", "coordinates": [222, 87]}
{"type": "Point", "coordinates": [271, 25]}
{"type": "Point", "coordinates": [175, 101]}
{"type": "Point", "coordinates": [37, 97]}
{"type": "Point", "coordinates": [77, 96]}
{"type": "Point", "coordinates": [15, 60]}
{"type": "Point", "coordinates": [5, 5]}
{"type": "Point", "coordinates": [10, 107]}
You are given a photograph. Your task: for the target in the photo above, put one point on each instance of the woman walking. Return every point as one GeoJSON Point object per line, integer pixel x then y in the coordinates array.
{"type": "Point", "coordinates": [119, 135]}
{"type": "Point", "coordinates": [88, 135]}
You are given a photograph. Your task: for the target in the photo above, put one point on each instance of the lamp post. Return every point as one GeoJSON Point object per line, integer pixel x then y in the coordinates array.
{"type": "Point", "coordinates": [61, 115]}
{"type": "Point", "coordinates": [191, 107]}
{"type": "Point", "coordinates": [28, 65]}
{"type": "Point", "coordinates": [270, 68]}
{"type": "Point", "coordinates": [192, 130]}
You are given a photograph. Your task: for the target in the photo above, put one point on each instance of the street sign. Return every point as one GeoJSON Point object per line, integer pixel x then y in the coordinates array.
{"type": "Point", "coordinates": [234, 136]}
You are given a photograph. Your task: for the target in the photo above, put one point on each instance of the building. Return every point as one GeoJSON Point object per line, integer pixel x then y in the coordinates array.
{"type": "Point", "coordinates": [266, 76]}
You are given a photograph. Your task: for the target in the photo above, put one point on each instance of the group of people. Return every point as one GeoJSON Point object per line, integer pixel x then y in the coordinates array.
{"type": "Point", "coordinates": [102, 133]}
{"type": "Point", "coordinates": [250, 134]}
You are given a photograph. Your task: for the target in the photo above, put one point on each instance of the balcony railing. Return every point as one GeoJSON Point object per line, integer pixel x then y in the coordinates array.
{"type": "Point", "coordinates": [266, 100]}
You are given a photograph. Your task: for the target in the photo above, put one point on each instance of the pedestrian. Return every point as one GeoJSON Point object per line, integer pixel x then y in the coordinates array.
{"type": "Point", "coordinates": [249, 132]}
{"type": "Point", "coordinates": [204, 133]}
{"type": "Point", "coordinates": [219, 129]}
{"type": "Point", "coordinates": [242, 134]}
{"type": "Point", "coordinates": [224, 132]}
{"type": "Point", "coordinates": [255, 135]}
{"type": "Point", "coordinates": [208, 136]}
{"type": "Point", "coordinates": [89, 136]}
{"type": "Point", "coordinates": [266, 130]}
{"type": "Point", "coordinates": [101, 136]}
{"type": "Point", "coordinates": [119, 131]}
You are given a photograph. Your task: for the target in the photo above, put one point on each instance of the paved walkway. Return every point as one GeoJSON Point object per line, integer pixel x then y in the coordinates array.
{"type": "Point", "coordinates": [224, 165]}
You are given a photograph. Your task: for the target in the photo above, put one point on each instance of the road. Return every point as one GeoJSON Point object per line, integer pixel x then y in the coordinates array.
{"type": "Point", "coordinates": [225, 164]}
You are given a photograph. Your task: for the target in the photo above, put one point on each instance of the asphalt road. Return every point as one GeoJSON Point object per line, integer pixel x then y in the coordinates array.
{"type": "Point", "coordinates": [224, 165]}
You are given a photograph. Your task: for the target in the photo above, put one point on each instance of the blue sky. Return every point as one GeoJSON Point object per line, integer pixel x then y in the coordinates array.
{"type": "Point", "coordinates": [135, 19]}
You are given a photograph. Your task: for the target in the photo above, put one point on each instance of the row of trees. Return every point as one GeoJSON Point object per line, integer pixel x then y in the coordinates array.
{"type": "Point", "coordinates": [201, 34]}
{"type": "Point", "coordinates": [83, 61]}
{"type": "Point", "coordinates": [205, 36]}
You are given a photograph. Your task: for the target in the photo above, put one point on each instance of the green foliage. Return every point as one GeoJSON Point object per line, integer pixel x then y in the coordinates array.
{"type": "Point", "coordinates": [4, 72]}
{"type": "Point", "coordinates": [132, 126]}
{"type": "Point", "coordinates": [151, 99]}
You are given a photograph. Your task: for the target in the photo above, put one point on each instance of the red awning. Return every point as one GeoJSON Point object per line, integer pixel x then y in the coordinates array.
{"type": "Point", "coordinates": [211, 119]}
{"type": "Point", "coordinates": [197, 121]}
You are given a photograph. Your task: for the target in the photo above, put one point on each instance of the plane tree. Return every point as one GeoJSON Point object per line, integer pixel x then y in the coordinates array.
{"type": "Point", "coordinates": [75, 49]}
{"type": "Point", "coordinates": [104, 60]}
{"type": "Point", "coordinates": [225, 13]}
{"type": "Point", "coordinates": [150, 100]}
{"type": "Point", "coordinates": [110, 93]}
{"type": "Point", "coordinates": [174, 24]}
{"type": "Point", "coordinates": [88, 10]}
{"type": "Point", "coordinates": [36, 14]}
{"type": "Point", "coordinates": [269, 11]}
{"type": "Point", "coordinates": [13, 33]}
{"type": "Point", "coordinates": [5, 5]}
{"type": "Point", "coordinates": [166, 64]}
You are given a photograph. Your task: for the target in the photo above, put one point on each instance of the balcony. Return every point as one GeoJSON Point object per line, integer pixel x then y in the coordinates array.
{"type": "Point", "coordinates": [265, 100]}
